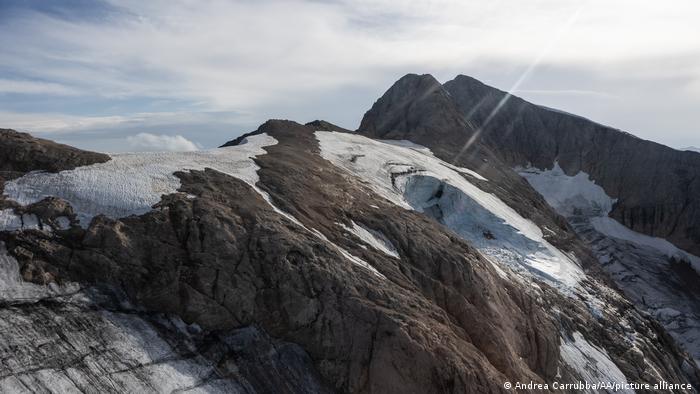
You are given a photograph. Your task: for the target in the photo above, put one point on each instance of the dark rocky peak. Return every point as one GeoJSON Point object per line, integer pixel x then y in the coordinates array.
{"type": "Point", "coordinates": [419, 109]}
{"type": "Point", "coordinates": [275, 127]}
{"type": "Point", "coordinates": [656, 187]}
{"type": "Point", "coordinates": [415, 108]}
{"type": "Point", "coordinates": [502, 117]}
{"type": "Point", "coordinates": [327, 126]}
{"type": "Point", "coordinates": [477, 101]}
{"type": "Point", "coordinates": [21, 153]}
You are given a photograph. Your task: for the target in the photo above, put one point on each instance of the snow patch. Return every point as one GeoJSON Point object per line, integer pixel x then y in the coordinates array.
{"type": "Point", "coordinates": [353, 259]}
{"type": "Point", "coordinates": [63, 222]}
{"type": "Point", "coordinates": [591, 362]}
{"type": "Point", "coordinates": [14, 289]}
{"type": "Point", "coordinates": [426, 151]}
{"type": "Point", "coordinates": [612, 228]}
{"type": "Point", "coordinates": [375, 239]}
{"type": "Point", "coordinates": [10, 221]}
{"type": "Point", "coordinates": [567, 194]}
{"type": "Point", "coordinates": [493, 235]}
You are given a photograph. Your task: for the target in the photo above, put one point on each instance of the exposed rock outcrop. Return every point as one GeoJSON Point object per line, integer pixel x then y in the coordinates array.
{"type": "Point", "coordinates": [657, 188]}
{"type": "Point", "coordinates": [21, 153]}
{"type": "Point", "coordinates": [94, 341]}
{"type": "Point", "coordinates": [493, 132]}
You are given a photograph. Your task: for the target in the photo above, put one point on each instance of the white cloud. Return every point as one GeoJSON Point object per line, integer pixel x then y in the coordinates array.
{"type": "Point", "coordinates": [35, 87]}
{"type": "Point", "coordinates": [243, 54]}
{"type": "Point", "coordinates": [253, 56]}
{"type": "Point", "coordinates": [57, 123]}
{"type": "Point", "coordinates": [151, 142]}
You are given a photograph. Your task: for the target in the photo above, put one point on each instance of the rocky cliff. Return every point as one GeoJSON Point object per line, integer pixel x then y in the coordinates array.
{"type": "Point", "coordinates": [657, 188]}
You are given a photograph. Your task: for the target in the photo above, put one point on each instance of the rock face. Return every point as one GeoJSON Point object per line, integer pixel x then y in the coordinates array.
{"type": "Point", "coordinates": [93, 341]}
{"type": "Point", "coordinates": [657, 188]}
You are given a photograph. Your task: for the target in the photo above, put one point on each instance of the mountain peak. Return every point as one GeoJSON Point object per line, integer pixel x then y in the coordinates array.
{"type": "Point", "coordinates": [271, 127]}
{"type": "Point", "coordinates": [417, 106]}
{"type": "Point", "coordinates": [323, 125]}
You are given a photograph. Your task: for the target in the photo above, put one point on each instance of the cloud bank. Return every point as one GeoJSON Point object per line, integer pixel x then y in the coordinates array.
{"type": "Point", "coordinates": [616, 62]}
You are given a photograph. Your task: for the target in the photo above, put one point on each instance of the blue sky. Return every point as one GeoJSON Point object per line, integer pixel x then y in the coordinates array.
{"type": "Point", "coordinates": [134, 75]}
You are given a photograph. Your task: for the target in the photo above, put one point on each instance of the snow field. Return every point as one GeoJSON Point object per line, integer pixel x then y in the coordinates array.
{"type": "Point", "coordinates": [411, 177]}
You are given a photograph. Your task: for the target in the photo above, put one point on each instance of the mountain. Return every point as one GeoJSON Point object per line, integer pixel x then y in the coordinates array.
{"type": "Point", "coordinates": [633, 202]}
{"type": "Point", "coordinates": [657, 188]}
{"type": "Point", "coordinates": [691, 149]}
{"type": "Point", "coordinates": [311, 259]}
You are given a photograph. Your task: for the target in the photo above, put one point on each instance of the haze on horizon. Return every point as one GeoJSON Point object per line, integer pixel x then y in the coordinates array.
{"type": "Point", "coordinates": [120, 75]}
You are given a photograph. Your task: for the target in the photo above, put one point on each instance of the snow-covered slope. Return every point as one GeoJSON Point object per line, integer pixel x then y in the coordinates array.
{"type": "Point", "coordinates": [412, 177]}
{"type": "Point", "coordinates": [653, 272]}
{"type": "Point", "coordinates": [578, 195]}
{"type": "Point", "coordinates": [595, 363]}
{"type": "Point", "coordinates": [131, 183]}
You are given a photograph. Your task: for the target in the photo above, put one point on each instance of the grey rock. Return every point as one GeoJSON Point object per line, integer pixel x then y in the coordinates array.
{"type": "Point", "coordinates": [657, 188]}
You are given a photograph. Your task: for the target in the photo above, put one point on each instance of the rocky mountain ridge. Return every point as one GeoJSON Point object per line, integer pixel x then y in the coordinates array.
{"type": "Point", "coordinates": [593, 165]}
{"type": "Point", "coordinates": [307, 258]}
{"type": "Point", "coordinates": [657, 188]}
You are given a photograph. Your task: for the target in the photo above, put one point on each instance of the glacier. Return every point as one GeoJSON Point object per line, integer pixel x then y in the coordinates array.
{"type": "Point", "coordinates": [659, 277]}
{"type": "Point", "coordinates": [410, 176]}
{"type": "Point", "coordinates": [131, 183]}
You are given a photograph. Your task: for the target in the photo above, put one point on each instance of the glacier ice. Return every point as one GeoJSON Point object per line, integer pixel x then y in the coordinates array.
{"type": "Point", "coordinates": [641, 265]}
{"type": "Point", "coordinates": [410, 176]}
{"type": "Point", "coordinates": [578, 195]}
{"type": "Point", "coordinates": [14, 290]}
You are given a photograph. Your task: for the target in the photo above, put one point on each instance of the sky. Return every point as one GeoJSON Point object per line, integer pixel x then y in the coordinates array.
{"type": "Point", "coordinates": [132, 75]}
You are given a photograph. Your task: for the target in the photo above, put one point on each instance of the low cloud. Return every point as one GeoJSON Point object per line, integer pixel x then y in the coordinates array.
{"type": "Point", "coordinates": [35, 87]}
{"type": "Point", "coordinates": [144, 142]}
